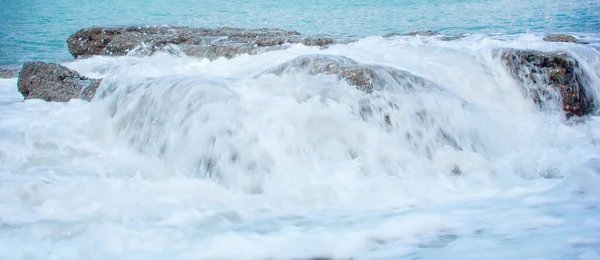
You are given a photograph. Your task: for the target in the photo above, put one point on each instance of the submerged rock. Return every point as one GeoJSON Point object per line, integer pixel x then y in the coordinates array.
{"type": "Point", "coordinates": [415, 33]}
{"type": "Point", "coordinates": [560, 38]}
{"type": "Point", "coordinates": [9, 72]}
{"type": "Point", "coordinates": [394, 96]}
{"type": "Point", "coordinates": [366, 77]}
{"type": "Point", "coordinates": [422, 33]}
{"type": "Point", "coordinates": [453, 37]}
{"type": "Point", "coordinates": [199, 42]}
{"type": "Point", "coordinates": [54, 82]}
{"type": "Point", "coordinates": [551, 77]}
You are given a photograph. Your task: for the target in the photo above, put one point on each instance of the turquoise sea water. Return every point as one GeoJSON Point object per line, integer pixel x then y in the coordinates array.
{"type": "Point", "coordinates": [37, 30]}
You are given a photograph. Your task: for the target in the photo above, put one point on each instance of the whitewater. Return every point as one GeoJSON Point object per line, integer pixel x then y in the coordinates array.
{"type": "Point", "coordinates": [185, 158]}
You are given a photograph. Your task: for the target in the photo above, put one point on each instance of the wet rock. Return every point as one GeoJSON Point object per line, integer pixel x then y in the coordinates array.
{"type": "Point", "coordinates": [9, 71]}
{"type": "Point", "coordinates": [366, 77]}
{"type": "Point", "coordinates": [422, 33]}
{"type": "Point", "coordinates": [199, 42]}
{"type": "Point", "coordinates": [550, 78]}
{"type": "Point", "coordinates": [388, 35]}
{"type": "Point", "coordinates": [456, 171]}
{"type": "Point", "coordinates": [453, 37]}
{"type": "Point", "coordinates": [415, 33]}
{"type": "Point", "coordinates": [54, 82]}
{"type": "Point", "coordinates": [560, 38]}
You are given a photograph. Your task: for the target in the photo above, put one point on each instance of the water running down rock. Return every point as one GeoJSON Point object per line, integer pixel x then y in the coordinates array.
{"type": "Point", "coordinates": [550, 78]}
{"type": "Point", "coordinates": [366, 77]}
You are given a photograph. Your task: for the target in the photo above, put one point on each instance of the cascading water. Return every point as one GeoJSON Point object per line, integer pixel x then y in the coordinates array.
{"type": "Point", "coordinates": [245, 159]}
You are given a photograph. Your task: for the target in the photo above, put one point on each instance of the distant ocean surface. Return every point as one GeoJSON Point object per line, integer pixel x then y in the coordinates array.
{"type": "Point", "coordinates": [37, 30]}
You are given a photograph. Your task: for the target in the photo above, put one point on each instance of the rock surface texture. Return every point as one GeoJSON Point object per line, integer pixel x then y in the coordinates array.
{"type": "Point", "coordinates": [550, 77]}
{"type": "Point", "coordinates": [366, 77]}
{"type": "Point", "coordinates": [198, 42]}
{"type": "Point", "coordinates": [559, 38]}
{"type": "Point", "coordinates": [54, 82]}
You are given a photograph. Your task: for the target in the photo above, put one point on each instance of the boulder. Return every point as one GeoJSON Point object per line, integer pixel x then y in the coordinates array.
{"type": "Point", "coordinates": [550, 78]}
{"type": "Point", "coordinates": [199, 42]}
{"type": "Point", "coordinates": [54, 82]}
{"type": "Point", "coordinates": [366, 77]}
{"type": "Point", "coordinates": [560, 38]}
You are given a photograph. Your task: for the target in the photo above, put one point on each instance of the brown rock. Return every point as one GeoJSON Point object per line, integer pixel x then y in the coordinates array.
{"type": "Point", "coordinates": [560, 38]}
{"type": "Point", "coordinates": [550, 77]}
{"type": "Point", "coordinates": [54, 82]}
{"type": "Point", "coordinates": [199, 42]}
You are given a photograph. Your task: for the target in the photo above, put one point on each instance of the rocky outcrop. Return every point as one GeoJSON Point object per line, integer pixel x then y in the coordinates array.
{"type": "Point", "coordinates": [550, 78]}
{"type": "Point", "coordinates": [560, 38]}
{"type": "Point", "coordinates": [198, 42]}
{"type": "Point", "coordinates": [9, 71]}
{"type": "Point", "coordinates": [366, 77]}
{"type": "Point", "coordinates": [54, 82]}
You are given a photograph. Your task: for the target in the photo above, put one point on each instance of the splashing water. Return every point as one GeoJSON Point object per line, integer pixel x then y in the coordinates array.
{"type": "Point", "coordinates": [185, 158]}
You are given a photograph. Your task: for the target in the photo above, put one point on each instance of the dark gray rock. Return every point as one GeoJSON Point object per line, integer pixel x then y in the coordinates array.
{"type": "Point", "coordinates": [54, 82]}
{"type": "Point", "coordinates": [560, 38]}
{"type": "Point", "coordinates": [550, 77]}
{"type": "Point", "coordinates": [9, 71]}
{"type": "Point", "coordinates": [366, 77]}
{"type": "Point", "coordinates": [199, 42]}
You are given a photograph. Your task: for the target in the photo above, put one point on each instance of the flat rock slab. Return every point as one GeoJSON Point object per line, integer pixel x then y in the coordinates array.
{"type": "Point", "coordinates": [54, 82]}
{"type": "Point", "coordinates": [550, 77]}
{"type": "Point", "coordinates": [560, 38]}
{"type": "Point", "coordinates": [198, 42]}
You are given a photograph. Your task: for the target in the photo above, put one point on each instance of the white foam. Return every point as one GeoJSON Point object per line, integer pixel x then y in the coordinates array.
{"type": "Point", "coordinates": [191, 158]}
